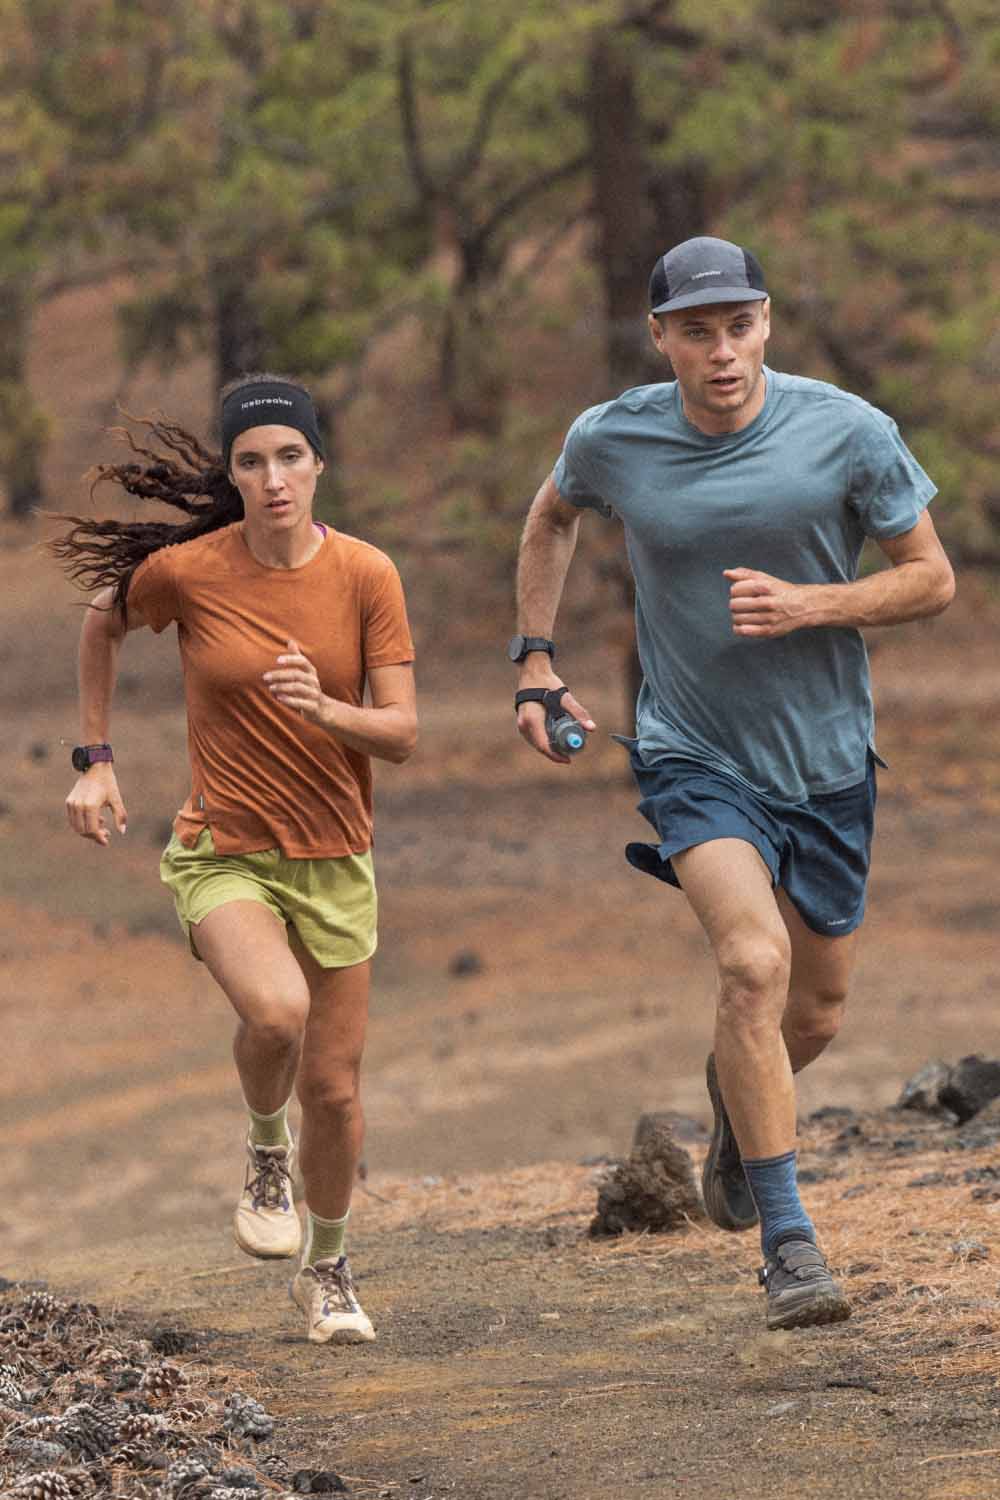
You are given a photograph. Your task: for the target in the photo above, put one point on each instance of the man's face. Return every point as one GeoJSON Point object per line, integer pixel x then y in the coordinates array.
{"type": "Point", "coordinates": [717, 353]}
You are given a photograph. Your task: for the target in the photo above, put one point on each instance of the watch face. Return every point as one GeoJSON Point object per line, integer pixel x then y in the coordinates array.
{"type": "Point", "coordinates": [80, 759]}
{"type": "Point", "coordinates": [515, 648]}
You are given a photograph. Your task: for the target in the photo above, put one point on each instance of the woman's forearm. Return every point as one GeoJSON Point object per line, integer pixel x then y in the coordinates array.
{"type": "Point", "coordinates": [100, 643]}
{"type": "Point", "coordinates": [388, 733]}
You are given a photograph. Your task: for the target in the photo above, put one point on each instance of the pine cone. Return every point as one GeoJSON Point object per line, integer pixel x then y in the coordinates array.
{"type": "Point", "coordinates": [10, 1389]}
{"type": "Point", "coordinates": [47, 1484]}
{"type": "Point", "coordinates": [86, 1431]}
{"type": "Point", "coordinates": [132, 1455]}
{"type": "Point", "coordinates": [275, 1467]}
{"type": "Point", "coordinates": [79, 1481]}
{"type": "Point", "coordinates": [34, 1450]}
{"type": "Point", "coordinates": [183, 1473]}
{"type": "Point", "coordinates": [41, 1307]}
{"type": "Point", "coordinates": [106, 1358]}
{"type": "Point", "coordinates": [190, 1411]}
{"type": "Point", "coordinates": [162, 1380]}
{"type": "Point", "coordinates": [245, 1417]}
{"type": "Point", "coordinates": [143, 1425]}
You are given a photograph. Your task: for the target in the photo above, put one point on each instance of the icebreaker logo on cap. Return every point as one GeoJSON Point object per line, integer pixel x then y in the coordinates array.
{"type": "Point", "coordinates": [705, 270]}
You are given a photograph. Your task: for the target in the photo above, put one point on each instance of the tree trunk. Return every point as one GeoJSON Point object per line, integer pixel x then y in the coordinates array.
{"type": "Point", "coordinates": [23, 426]}
{"type": "Point", "coordinates": [239, 338]}
{"type": "Point", "coordinates": [621, 211]}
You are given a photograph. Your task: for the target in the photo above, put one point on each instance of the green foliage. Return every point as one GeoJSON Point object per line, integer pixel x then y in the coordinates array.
{"type": "Point", "coordinates": [318, 170]}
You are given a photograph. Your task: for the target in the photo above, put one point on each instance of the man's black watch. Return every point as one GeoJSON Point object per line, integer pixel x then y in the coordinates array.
{"type": "Point", "coordinates": [85, 756]}
{"type": "Point", "coordinates": [519, 645]}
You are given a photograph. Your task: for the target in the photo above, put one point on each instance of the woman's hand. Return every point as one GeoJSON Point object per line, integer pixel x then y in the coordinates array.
{"type": "Point", "coordinates": [295, 683]}
{"type": "Point", "coordinates": [94, 791]}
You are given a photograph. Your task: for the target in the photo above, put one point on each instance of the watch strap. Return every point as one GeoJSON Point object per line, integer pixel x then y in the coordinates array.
{"type": "Point", "coordinates": [93, 755]}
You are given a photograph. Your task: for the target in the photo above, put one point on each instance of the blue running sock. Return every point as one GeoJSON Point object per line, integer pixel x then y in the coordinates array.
{"type": "Point", "coordinates": [775, 1191]}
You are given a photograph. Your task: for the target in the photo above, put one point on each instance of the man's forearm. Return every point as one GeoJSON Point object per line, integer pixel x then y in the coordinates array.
{"type": "Point", "coordinates": [547, 547]}
{"type": "Point", "coordinates": [910, 591]}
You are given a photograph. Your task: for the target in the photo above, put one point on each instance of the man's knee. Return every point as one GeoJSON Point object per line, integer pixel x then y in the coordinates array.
{"type": "Point", "coordinates": [816, 1015]}
{"type": "Point", "coordinates": [753, 978]}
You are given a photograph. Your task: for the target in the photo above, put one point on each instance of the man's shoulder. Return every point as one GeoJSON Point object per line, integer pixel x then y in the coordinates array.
{"type": "Point", "coordinates": [624, 412]}
{"type": "Point", "coordinates": [821, 397]}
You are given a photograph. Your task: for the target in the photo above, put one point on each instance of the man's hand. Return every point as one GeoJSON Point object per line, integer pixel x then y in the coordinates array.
{"type": "Point", "coordinates": [94, 791]}
{"type": "Point", "coordinates": [766, 607]}
{"type": "Point", "coordinates": [295, 683]}
{"type": "Point", "coordinates": [531, 717]}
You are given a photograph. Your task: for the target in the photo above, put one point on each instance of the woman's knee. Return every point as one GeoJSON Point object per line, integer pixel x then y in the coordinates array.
{"type": "Point", "coordinates": [274, 1023]}
{"type": "Point", "coordinates": [333, 1095]}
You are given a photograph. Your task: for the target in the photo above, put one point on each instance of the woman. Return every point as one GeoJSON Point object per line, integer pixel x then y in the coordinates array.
{"type": "Point", "coordinates": [281, 624]}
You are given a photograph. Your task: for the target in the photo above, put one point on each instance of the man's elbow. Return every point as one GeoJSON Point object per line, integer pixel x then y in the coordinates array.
{"type": "Point", "coordinates": [942, 590]}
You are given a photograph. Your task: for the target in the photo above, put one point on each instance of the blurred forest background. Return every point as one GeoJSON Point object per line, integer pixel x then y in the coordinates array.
{"type": "Point", "coordinates": [443, 215]}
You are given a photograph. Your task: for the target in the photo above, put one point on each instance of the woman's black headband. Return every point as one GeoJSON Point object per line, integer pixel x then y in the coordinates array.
{"type": "Point", "coordinates": [269, 403]}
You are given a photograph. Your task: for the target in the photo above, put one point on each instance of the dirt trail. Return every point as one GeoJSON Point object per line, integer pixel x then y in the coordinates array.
{"type": "Point", "coordinates": [516, 1357]}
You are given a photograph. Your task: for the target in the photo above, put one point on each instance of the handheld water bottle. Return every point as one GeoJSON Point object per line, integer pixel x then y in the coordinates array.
{"type": "Point", "coordinates": [566, 735]}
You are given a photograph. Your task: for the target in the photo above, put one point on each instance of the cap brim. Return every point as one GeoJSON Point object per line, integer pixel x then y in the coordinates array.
{"type": "Point", "coordinates": [710, 295]}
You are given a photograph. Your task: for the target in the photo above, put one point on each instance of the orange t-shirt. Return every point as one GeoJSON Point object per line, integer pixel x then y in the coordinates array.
{"type": "Point", "coordinates": [262, 777]}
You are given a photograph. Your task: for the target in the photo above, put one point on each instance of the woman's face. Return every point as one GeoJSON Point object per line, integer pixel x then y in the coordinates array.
{"type": "Point", "coordinates": [275, 471]}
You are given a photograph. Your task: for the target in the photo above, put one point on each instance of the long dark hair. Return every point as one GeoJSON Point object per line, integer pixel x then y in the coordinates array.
{"type": "Point", "coordinates": [177, 470]}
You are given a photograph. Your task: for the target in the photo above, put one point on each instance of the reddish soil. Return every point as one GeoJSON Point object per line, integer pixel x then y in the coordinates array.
{"type": "Point", "coordinates": [533, 995]}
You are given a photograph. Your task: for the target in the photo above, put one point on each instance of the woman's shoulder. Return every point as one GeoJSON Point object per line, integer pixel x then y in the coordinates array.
{"type": "Point", "coordinates": [361, 557]}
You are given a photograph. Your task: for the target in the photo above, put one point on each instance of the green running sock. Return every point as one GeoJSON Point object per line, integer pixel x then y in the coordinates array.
{"type": "Point", "coordinates": [324, 1238]}
{"type": "Point", "coordinates": [270, 1130]}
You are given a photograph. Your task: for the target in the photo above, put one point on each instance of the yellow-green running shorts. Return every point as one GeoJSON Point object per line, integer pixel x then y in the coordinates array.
{"type": "Point", "coordinates": [331, 903]}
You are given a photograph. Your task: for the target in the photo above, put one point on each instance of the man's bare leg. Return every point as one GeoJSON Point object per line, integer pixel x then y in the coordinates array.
{"type": "Point", "coordinates": [822, 968]}
{"type": "Point", "coordinates": [729, 887]}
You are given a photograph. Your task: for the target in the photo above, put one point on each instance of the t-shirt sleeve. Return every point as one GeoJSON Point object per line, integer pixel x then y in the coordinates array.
{"type": "Point", "coordinates": [387, 641]}
{"type": "Point", "coordinates": [575, 471]}
{"type": "Point", "coordinates": [153, 590]}
{"type": "Point", "coordinates": [889, 489]}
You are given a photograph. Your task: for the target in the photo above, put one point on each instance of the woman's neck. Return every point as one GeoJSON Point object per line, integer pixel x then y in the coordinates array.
{"type": "Point", "coordinates": [284, 549]}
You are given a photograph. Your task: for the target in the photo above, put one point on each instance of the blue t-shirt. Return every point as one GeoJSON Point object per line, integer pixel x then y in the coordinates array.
{"type": "Point", "coordinates": [793, 494]}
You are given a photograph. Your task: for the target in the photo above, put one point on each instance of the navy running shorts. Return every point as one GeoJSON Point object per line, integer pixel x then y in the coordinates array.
{"type": "Point", "coordinates": [817, 851]}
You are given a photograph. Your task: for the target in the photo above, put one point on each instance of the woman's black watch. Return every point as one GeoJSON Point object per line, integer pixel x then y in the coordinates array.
{"type": "Point", "coordinates": [85, 756]}
{"type": "Point", "coordinates": [519, 645]}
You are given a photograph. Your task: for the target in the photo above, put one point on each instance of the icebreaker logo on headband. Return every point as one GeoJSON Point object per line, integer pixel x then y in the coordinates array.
{"type": "Point", "coordinates": [263, 402]}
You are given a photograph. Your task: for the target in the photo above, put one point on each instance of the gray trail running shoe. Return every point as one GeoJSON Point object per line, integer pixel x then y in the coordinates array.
{"type": "Point", "coordinates": [801, 1293]}
{"type": "Point", "coordinates": [724, 1187]}
{"type": "Point", "coordinates": [325, 1293]}
{"type": "Point", "coordinates": [265, 1223]}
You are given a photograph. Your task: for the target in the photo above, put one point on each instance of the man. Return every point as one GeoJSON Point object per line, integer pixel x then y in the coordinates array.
{"type": "Point", "coordinates": [746, 496]}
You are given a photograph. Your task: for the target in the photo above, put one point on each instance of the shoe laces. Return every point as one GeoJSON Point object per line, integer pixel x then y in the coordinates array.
{"type": "Point", "coordinates": [334, 1276]}
{"type": "Point", "coordinates": [268, 1185]}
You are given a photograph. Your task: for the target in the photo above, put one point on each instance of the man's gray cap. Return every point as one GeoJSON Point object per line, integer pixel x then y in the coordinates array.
{"type": "Point", "coordinates": [702, 271]}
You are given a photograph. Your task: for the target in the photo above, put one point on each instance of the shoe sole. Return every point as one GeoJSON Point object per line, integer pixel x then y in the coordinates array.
{"type": "Point", "coordinates": [716, 1205]}
{"type": "Point", "coordinates": [260, 1253]}
{"type": "Point", "coordinates": [825, 1308]}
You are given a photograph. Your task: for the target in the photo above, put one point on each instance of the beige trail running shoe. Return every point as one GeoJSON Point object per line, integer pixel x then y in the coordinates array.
{"type": "Point", "coordinates": [265, 1223]}
{"type": "Point", "coordinates": [325, 1293]}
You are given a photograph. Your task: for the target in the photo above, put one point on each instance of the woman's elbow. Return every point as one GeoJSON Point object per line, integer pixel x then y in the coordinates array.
{"type": "Point", "coordinates": [404, 743]}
